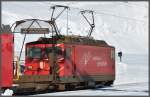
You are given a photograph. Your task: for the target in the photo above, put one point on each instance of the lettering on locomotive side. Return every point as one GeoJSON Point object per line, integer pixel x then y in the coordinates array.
{"type": "Point", "coordinates": [100, 62]}
{"type": "Point", "coordinates": [86, 57]}
{"type": "Point", "coordinates": [97, 58]}
{"type": "Point", "coordinates": [91, 57]}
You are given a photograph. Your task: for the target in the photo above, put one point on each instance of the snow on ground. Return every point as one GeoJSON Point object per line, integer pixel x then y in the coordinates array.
{"type": "Point", "coordinates": [132, 69]}
{"type": "Point", "coordinates": [7, 92]}
{"type": "Point", "coordinates": [130, 74]}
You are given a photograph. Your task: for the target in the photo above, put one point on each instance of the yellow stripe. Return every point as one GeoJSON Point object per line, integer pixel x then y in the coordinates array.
{"type": "Point", "coordinates": [18, 69]}
{"type": "Point", "coordinates": [60, 69]}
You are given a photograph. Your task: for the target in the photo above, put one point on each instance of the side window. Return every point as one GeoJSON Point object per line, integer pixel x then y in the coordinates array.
{"type": "Point", "coordinates": [112, 54]}
{"type": "Point", "coordinates": [34, 52]}
{"type": "Point", "coordinates": [68, 53]}
{"type": "Point", "coordinates": [47, 51]}
{"type": "Point", "coordinates": [29, 53]}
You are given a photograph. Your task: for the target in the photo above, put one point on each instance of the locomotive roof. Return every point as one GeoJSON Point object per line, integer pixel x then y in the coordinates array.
{"type": "Point", "coordinates": [70, 40]}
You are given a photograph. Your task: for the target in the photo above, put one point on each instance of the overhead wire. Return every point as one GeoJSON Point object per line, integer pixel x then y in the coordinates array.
{"type": "Point", "coordinates": [132, 5]}
{"type": "Point", "coordinates": [110, 14]}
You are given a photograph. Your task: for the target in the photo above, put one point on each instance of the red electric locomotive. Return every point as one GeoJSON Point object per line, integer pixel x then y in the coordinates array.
{"type": "Point", "coordinates": [79, 61]}
{"type": "Point", "coordinates": [74, 59]}
{"type": "Point", "coordinates": [59, 62]}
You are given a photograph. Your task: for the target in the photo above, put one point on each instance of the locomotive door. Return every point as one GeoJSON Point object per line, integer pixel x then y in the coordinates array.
{"type": "Point", "coordinates": [73, 61]}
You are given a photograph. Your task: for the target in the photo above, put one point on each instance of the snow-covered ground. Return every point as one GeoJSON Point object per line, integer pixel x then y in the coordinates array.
{"type": "Point", "coordinates": [132, 69]}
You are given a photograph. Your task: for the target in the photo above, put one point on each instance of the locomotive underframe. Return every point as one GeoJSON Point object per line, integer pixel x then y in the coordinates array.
{"type": "Point", "coordinates": [43, 82]}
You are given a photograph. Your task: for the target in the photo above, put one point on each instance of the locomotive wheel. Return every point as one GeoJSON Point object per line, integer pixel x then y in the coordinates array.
{"type": "Point", "coordinates": [72, 87]}
{"type": "Point", "coordinates": [91, 85]}
{"type": "Point", "coordinates": [61, 87]}
{"type": "Point", "coordinates": [68, 87]}
{"type": "Point", "coordinates": [109, 83]}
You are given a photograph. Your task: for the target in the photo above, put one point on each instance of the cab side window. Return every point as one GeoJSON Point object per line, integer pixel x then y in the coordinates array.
{"type": "Point", "coordinates": [34, 52]}
{"type": "Point", "coordinates": [68, 53]}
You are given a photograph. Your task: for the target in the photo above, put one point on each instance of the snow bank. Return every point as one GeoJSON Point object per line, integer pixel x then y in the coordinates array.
{"type": "Point", "coordinates": [8, 92]}
{"type": "Point", "coordinates": [130, 73]}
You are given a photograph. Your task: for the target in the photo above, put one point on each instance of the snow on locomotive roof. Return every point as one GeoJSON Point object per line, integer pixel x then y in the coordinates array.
{"type": "Point", "coordinates": [70, 40]}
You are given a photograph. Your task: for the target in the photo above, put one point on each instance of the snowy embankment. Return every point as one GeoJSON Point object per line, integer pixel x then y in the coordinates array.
{"type": "Point", "coordinates": [130, 74]}
{"type": "Point", "coordinates": [133, 69]}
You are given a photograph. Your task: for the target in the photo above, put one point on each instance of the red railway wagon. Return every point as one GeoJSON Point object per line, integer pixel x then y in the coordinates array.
{"type": "Point", "coordinates": [6, 69]}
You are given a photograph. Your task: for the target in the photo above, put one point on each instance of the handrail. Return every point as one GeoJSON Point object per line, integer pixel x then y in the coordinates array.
{"type": "Point", "coordinates": [17, 70]}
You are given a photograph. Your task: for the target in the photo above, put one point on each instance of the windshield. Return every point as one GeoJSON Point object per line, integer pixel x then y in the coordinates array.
{"type": "Point", "coordinates": [49, 50]}
{"type": "Point", "coordinates": [34, 52]}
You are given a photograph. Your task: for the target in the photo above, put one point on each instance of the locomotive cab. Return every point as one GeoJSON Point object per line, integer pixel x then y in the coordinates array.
{"type": "Point", "coordinates": [38, 60]}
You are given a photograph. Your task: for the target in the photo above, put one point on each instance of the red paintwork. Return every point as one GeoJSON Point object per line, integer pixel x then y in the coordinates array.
{"type": "Point", "coordinates": [98, 60]}
{"type": "Point", "coordinates": [90, 60]}
{"type": "Point", "coordinates": [7, 59]}
{"type": "Point", "coordinates": [35, 63]}
{"type": "Point", "coordinates": [35, 67]}
{"type": "Point", "coordinates": [84, 60]}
